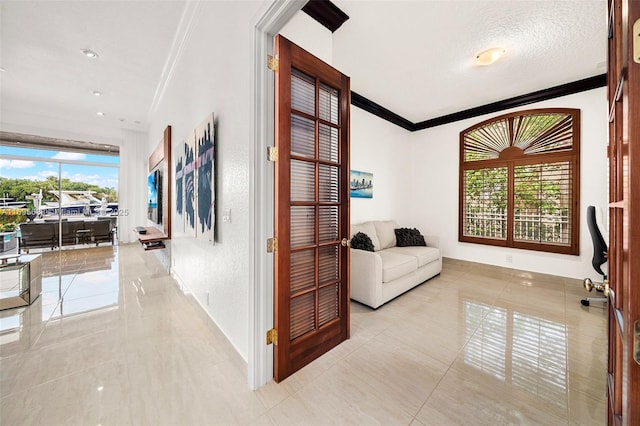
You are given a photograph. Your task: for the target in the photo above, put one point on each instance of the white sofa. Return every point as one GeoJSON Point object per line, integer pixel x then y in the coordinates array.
{"type": "Point", "coordinates": [387, 272]}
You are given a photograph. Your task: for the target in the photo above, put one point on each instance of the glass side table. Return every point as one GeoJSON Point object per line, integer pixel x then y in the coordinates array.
{"type": "Point", "coordinates": [20, 280]}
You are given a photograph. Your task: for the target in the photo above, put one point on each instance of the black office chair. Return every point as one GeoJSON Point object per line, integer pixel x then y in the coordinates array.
{"type": "Point", "coordinates": [599, 259]}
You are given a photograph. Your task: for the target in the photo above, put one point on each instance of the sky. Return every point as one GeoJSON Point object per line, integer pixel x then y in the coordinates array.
{"type": "Point", "coordinates": [106, 177]}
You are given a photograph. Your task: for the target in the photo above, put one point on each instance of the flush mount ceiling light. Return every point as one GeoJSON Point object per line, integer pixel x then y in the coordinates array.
{"type": "Point", "coordinates": [489, 56]}
{"type": "Point", "coordinates": [89, 53]}
{"type": "Point", "coordinates": [100, 113]}
{"type": "Point", "coordinates": [96, 93]}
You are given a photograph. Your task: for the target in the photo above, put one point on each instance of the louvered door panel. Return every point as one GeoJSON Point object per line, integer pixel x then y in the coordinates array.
{"type": "Point", "coordinates": [303, 181]}
{"type": "Point", "coordinates": [303, 92]}
{"type": "Point", "coordinates": [315, 186]}
{"type": "Point", "coordinates": [328, 305]}
{"type": "Point", "coordinates": [328, 104]}
{"type": "Point", "coordinates": [302, 137]}
{"type": "Point", "coordinates": [312, 208]}
{"type": "Point", "coordinates": [303, 226]}
{"type": "Point", "coordinates": [329, 222]}
{"type": "Point", "coordinates": [303, 315]}
{"type": "Point", "coordinates": [328, 143]}
{"type": "Point", "coordinates": [328, 265]}
{"type": "Point", "coordinates": [303, 270]}
{"type": "Point", "coordinates": [329, 184]}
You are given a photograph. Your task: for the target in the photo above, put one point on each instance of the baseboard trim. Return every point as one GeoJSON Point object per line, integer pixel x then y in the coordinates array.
{"type": "Point", "coordinates": [510, 272]}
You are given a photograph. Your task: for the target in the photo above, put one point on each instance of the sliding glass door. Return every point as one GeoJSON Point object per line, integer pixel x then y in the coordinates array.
{"type": "Point", "coordinates": [55, 199]}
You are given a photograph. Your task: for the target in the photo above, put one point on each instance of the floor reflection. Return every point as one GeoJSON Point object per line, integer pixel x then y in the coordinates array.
{"type": "Point", "coordinates": [74, 282]}
{"type": "Point", "coordinates": [528, 352]}
{"type": "Point", "coordinates": [470, 347]}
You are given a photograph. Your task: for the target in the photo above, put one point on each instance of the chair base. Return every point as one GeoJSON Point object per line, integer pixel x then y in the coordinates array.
{"type": "Point", "coordinates": [588, 300]}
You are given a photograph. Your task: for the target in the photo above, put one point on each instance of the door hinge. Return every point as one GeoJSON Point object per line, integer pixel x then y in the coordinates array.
{"type": "Point", "coordinates": [272, 245]}
{"type": "Point", "coordinates": [272, 153]}
{"type": "Point", "coordinates": [272, 63]}
{"type": "Point", "coordinates": [272, 337]}
{"type": "Point", "coordinates": [636, 41]}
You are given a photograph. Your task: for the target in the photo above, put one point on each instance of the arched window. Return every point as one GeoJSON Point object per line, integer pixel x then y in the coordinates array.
{"type": "Point", "coordinates": [520, 181]}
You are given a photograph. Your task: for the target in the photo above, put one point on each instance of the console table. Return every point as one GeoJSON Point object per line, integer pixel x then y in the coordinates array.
{"type": "Point", "coordinates": [153, 239]}
{"type": "Point", "coordinates": [20, 280]}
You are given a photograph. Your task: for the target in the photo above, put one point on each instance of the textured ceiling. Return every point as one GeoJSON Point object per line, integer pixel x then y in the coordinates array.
{"type": "Point", "coordinates": [47, 75]}
{"type": "Point", "coordinates": [414, 58]}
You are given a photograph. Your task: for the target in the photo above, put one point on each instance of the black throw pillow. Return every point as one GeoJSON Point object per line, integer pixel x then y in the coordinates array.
{"type": "Point", "coordinates": [406, 237]}
{"type": "Point", "coordinates": [361, 241]}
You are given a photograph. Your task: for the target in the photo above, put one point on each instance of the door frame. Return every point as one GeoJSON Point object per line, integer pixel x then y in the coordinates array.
{"type": "Point", "coordinates": [270, 19]}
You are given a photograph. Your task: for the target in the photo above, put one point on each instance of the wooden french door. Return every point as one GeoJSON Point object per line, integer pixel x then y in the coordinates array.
{"type": "Point", "coordinates": [311, 312]}
{"type": "Point", "coordinates": [623, 82]}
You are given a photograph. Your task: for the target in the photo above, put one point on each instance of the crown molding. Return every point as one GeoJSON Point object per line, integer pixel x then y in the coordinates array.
{"type": "Point", "coordinates": [376, 109]}
{"type": "Point", "coordinates": [183, 32]}
{"type": "Point", "coordinates": [517, 101]}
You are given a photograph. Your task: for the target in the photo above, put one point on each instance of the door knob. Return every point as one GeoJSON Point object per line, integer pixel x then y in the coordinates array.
{"type": "Point", "coordinates": [346, 242]}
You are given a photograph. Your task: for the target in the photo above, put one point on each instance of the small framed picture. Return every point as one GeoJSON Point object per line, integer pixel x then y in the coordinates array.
{"type": "Point", "coordinates": [361, 184]}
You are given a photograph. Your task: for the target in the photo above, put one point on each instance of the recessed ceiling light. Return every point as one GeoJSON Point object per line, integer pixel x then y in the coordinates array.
{"type": "Point", "coordinates": [490, 56]}
{"type": "Point", "coordinates": [100, 113]}
{"type": "Point", "coordinates": [96, 93]}
{"type": "Point", "coordinates": [89, 53]}
{"type": "Point", "coordinates": [2, 69]}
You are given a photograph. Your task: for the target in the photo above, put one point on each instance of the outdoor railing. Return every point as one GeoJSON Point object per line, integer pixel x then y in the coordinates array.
{"type": "Point", "coordinates": [528, 226]}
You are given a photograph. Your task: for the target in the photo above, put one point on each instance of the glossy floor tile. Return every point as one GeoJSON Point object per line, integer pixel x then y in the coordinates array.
{"type": "Point", "coordinates": [113, 340]}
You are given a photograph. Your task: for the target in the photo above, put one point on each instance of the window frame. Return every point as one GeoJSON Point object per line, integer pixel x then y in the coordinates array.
{"type": "Point", "coordinates": [512, 159]}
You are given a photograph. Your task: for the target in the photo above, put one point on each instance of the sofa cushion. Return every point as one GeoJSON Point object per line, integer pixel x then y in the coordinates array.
{"type": "Point", "coordinates": [361, 241]}
{"type": "Point", "coordinates": [386, 234]}
{"type": "Point", "coordinates": [424, 255]}
{"type": "Point", "coordinates": [370, 230]}
{"type": "Point", "coordinates": [409, 237]}
{"type": "Point", "coordinates": [396, 265]}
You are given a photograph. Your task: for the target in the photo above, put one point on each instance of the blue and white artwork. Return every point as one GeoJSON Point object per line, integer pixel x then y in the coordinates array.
{"type": "Point", "coordinates": [189, 185]}
{"type": "Point", "coordinates": [179, 218]}
{"type": "Point", "coordinates": [361, 184]}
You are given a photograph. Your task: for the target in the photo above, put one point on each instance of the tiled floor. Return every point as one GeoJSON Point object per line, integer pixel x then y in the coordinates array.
{"type": "Point", "coordinates": [113, 340]}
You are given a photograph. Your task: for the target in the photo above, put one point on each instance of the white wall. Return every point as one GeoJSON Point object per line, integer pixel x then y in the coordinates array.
{"type": "Point", "coordinates": [381, 148]}
{"type": "Point", "coordinates": [213, 74]}
{"type": "Point", "coordinates": [434, 164]}
{"type": "Point", "coordinates": [311, 36]}
{"type": "Point", "coordinates": [134, 166]}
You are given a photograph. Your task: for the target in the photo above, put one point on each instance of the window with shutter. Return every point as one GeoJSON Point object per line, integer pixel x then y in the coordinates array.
{"type": "Point", "coordinates": [519, 181]}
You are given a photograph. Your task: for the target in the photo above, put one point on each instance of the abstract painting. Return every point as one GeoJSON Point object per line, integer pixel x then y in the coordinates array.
{"type": "Point", "coordinates": [189, 184]}
{"type": "Point", "coordinates": [205, 179]}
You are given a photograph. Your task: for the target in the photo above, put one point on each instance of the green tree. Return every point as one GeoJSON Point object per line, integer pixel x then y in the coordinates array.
{"type": "Point", "coordinates": [19, 189]}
